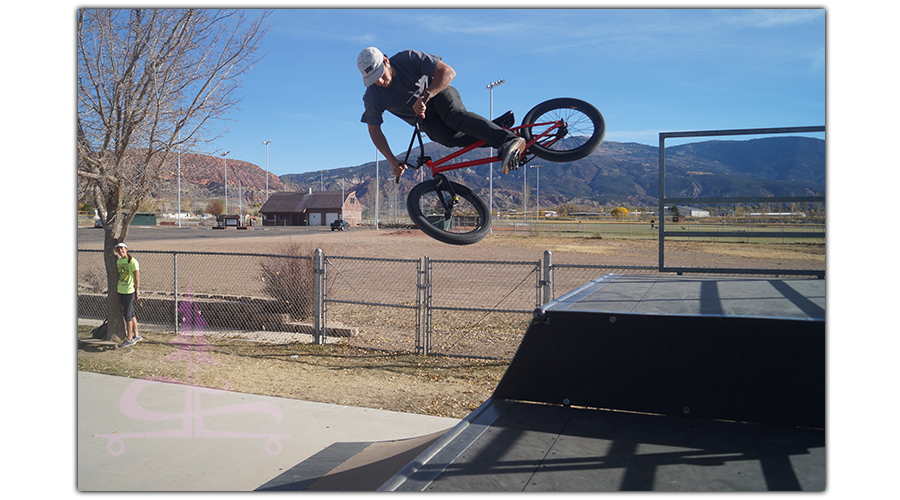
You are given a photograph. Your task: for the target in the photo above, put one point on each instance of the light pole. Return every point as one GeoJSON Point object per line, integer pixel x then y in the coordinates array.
{"type": "Point", "coordinates": [179, 182]}
{"type": "Point", "coordinates": [226, 179]}
{"type": "Point", "coordinates": [266, 144]}
{"type": "Point", "coordinates": [524, 195]}
{"type": "Point", "coordinates": [490, 87]}
{"type": "Point", "coordinates": [537, 199]}
{"type": "Point", "coordinates": [377, 188]}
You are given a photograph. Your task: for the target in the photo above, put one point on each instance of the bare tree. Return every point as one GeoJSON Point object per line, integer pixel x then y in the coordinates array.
{"type": "Point", "coordinates": [150, 82]}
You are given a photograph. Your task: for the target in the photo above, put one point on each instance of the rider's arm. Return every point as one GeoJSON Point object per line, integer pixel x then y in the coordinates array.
{"type": "Point", "coordinates": [443, 75]}
{"type": "Point", "coordinates": [381, 143]}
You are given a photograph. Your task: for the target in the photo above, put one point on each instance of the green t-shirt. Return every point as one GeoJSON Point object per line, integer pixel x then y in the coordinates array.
{"type": "Point", "coordinates": [126, 274]}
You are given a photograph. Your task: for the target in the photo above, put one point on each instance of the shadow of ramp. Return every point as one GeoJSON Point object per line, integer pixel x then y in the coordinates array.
{"type": "Point", "coordinates": [352, 466]}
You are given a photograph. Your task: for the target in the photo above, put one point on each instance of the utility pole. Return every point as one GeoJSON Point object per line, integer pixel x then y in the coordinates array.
{"type": "Point", "coordinates": [490, 87]}
{"type": "Point", "coordinates": [226, 179]}
{"type": "Point", "coordinates": [266, 143]}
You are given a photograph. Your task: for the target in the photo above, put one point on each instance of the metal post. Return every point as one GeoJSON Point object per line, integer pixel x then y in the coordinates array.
{"type": "Point", "coordinates": [547, 278]}
{"type": "Point", "coordinates": [319, 298]}
{"type": "Point", "coordinates": [175, 272]}
{"type": "Point", "coordinates": [266, 144]}
{"type": "Point", "coordinates": [226, 179]}
{"type": "Point", "coordinates": [427, 307]}
{"type": "Point", "coordinates": [490, 87]}
{"type": "Point", "coordinates": [179, 182]}
{"type": "Point", "coordinates": [377, 188]}
{"type": "Point", "coordinates": [661, 232]}
{"type": "Point", "coordinates": [420, 306]}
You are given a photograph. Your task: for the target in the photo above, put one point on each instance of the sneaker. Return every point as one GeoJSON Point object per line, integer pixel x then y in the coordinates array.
{"type": "Point", "coordinates": [127, 343]}
{"type": "Point", "coordinates": [137, 339]}
{"type": "Point", "coordinates": [510, 152]}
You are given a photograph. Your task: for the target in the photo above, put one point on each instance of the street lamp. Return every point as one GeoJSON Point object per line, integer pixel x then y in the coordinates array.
{"type": "Point", "coordinates": [226, 179]}
{"type": "Point", "coordinates": [179, 181]}
{"type": "Point", "coordinates": [490, 87]}
{"type": "Point", "coordinates": [537, 198]}
{"type": "Point", "coordinates": [377, 188]}
{"type": "Point", "coordinates": [266, 143]}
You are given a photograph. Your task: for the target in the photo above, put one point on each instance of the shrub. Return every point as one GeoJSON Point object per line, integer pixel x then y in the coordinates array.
{"type": "Point", "coordinates": [290, 280]}
{"type": "Point", "coordinates": [94, 279]}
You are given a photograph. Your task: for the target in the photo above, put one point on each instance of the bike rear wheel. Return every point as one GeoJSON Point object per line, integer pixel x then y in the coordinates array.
{"type": "Point", "coordinates": [582, 131]}
{"type": "Point", "coordinates": [467, 222]}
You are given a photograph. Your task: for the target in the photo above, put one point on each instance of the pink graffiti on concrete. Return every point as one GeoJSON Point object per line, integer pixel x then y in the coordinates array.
{"type": "Point", "coordinates": [191, 419]}
{"type": "Point", "coordinates": [193, 347]}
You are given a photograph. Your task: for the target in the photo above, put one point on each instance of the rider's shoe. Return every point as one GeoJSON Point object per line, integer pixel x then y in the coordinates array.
{"type": "Point", "coordinates": [510, 152]}
{"type": "Point", "coordinates": [506, 120]}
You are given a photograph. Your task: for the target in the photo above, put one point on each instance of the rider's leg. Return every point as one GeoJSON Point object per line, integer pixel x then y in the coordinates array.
{"type": "Point", "coordinates": [448, 122]}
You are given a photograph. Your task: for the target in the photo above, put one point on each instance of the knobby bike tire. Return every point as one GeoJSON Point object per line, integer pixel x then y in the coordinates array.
{"type": "Point", "coordinates": [585, 129]}
{"type": "Point", "coordinates": [464, 228]}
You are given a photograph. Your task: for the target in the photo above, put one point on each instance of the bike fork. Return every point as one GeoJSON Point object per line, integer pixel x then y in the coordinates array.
{"type": "Point", "coordinates": [448, 204]}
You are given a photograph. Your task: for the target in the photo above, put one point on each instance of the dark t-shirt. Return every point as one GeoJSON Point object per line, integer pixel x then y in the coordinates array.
{"type": "Point", "coordinates": [414, 71]}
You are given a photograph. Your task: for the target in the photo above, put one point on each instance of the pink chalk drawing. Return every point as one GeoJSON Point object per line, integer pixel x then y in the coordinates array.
{"type": "Point", "coordinates": [191, 418]}
{"type": "Point", "coordinates": [193, 347]}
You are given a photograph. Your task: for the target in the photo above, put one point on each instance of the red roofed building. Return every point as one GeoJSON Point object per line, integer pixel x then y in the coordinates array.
{"type": "Point", "coordinates": [311, 209]}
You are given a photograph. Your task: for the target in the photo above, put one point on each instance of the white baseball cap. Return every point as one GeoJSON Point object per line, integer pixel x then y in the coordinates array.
{"type": "Point", "coordinates": [371, 64]}
{"type": "Point", "coordinates": [122, 245]}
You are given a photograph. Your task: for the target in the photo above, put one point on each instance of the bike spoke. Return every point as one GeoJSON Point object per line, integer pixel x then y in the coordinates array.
{"type": "Point", "coordinates": [462, 218]}
{"type": "Point", "coordinates": [574, 126]}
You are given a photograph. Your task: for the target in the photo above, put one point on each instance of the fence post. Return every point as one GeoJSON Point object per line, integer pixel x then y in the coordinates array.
{"type": "Point", "coordinates": [319, 298]}
{"type": "Point", "coordinates": [427, 307]}
{"type": "Point", "coordinates": [547, 278]}
{"type": "Point", "coordinates": [420, 306]}
{"type": "Point", "coordinates": [423, 306]}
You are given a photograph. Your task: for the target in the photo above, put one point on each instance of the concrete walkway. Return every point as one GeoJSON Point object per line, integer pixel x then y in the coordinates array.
{"type": "Point", "coordinates": [140, 435]}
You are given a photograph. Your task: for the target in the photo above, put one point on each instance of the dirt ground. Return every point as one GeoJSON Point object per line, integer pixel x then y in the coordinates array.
{"type": "Point", "coordinates": [341, 374]}
{"type": "Point", "coordinates": [501, 245]}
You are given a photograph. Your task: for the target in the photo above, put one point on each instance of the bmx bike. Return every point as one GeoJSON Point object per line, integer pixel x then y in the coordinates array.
{"type": "Point", "coordinates": [558, 130]}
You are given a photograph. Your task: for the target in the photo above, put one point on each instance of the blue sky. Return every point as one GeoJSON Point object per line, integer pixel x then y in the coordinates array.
{"type": "Point", "coordinates": [646, 70]}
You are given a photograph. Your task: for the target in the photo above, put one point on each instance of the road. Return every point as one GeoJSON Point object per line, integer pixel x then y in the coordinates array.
{"type": "Point", "coordinates": [89, 237]}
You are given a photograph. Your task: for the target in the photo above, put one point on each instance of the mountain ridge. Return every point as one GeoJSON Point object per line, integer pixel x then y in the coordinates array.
{"type": "Point", "coordinates": [614, 174]}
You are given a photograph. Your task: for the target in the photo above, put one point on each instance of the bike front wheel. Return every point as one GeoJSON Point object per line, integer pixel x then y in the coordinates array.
{"type": "Point", "coordinates": [461, 222]}
{"type": "Point", "coordinates": [566, 129]}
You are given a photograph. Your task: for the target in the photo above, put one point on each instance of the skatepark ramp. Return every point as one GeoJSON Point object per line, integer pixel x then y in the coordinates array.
{"type": "Point", "coordinates": [664, 383]}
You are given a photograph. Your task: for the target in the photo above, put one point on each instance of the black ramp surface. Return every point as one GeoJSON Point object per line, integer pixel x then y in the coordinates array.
{"type": "Point", "coordinates": [652, 383]}
{"type": "Point", "coordinates": [748, 369]}
{"type": "Point", "coordinates": [734, 349]}
{"type": "Point", "coordinates": [550, 448]}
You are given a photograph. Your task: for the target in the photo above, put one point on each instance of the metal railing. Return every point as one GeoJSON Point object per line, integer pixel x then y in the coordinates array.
{"type": "Point", "coordinates": [664, 201]}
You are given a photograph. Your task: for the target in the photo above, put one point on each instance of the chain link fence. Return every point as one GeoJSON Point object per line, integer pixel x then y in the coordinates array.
{"type": "Point", "coordinates": [426, 306]}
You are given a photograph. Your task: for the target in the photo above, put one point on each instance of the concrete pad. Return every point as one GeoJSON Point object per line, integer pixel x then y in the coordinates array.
{"type": "Point", "coordinates": [142, 435]}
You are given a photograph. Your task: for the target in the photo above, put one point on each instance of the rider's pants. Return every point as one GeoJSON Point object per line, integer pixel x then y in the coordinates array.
{"type": "Point", "coordinates": [448, 122]}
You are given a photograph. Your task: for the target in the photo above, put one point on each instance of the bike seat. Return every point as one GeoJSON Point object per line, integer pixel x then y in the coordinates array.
{"type": "Point", "coordinates": [506, 120]}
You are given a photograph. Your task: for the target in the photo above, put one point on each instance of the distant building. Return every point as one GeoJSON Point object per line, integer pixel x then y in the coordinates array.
{"type": "Point", "coordinates": [684, 211]}
{"type": "Point", "coordinates": [311, 208]}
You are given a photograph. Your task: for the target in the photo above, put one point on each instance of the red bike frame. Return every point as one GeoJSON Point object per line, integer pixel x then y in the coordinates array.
{"type": "Point", "coordinates": [438, 166]}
